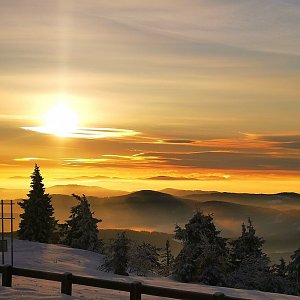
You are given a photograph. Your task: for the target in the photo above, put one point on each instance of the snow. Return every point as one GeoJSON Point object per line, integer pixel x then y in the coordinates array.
{"type": "Point", "coordinates": [55, 258]}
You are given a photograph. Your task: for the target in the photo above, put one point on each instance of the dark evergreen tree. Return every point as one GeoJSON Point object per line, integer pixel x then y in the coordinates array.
{"type": "Point", "coordinates": [204, 256]}
{"type": "Point", "coordinates": [281, 268]}
{"type": "Point", "coordinates": [294, 271]}
{"type": "Point", "coordinates": [118, 255]}
{"type": "Point", "coordinates": [252, 267]}
{"type": "Point", "coordinates": [82, 231]}
{"type": "Point", "coordinates": [167, 260]}
{"type": "Point", "coordinates": [247, 245]}
{"type": "Point", "coordinates": [37, 221]}
{"type": "Point", "coordinates": [144, 259]}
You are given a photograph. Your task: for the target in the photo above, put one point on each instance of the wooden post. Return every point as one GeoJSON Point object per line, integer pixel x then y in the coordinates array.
{"type": "Point", "coordinates": [66, 284]}
{"type": "Point", "coordinates": [218, 296]}
{"type": "Point", "coordinates": [136, 291]}
{"type": "Point", "coordinates": [11, 234]}
{"type": "Point", "coordinates": [7, 276]}
{"type": "Point", "coordinates": [2, 227]}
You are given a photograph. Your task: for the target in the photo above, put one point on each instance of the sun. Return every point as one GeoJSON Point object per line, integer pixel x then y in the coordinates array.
{"type": "Point", "coordinates": [61, 121]}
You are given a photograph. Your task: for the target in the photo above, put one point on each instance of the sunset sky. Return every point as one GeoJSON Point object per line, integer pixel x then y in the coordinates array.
{"type": "Point", "coordinates": [135, 95]}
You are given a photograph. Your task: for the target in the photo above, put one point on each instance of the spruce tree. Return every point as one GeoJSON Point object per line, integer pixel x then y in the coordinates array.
{"type": "Point", "coordinates": [82, 231]}
{"type": "Point", "coordinates": [251, 267]}
{"type": "Point", "coordinates": [281, 268]}
{"type": "Point", "coordinates": [247, 245]}
{"type": "Point", "coordinates": [118, 255]}
{"type": "Point", "coordinates": [204, 256]}
{"type": "Point", "coordinates": [167, 260]}
{"type": "Point", "coordinates": [144, 259]}
{"type": "Point", "coordinates": [37, 221]}
{"type": "Point", "coordinates": [294, 271]}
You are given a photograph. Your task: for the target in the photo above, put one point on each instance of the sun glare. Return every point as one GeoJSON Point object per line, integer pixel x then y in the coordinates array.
{"type": "Point", "coordinates": [61, 121]}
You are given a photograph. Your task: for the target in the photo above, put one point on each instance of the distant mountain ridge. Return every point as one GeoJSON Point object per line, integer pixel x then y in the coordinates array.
{"type": "Point", "coordinates": [69, 189]}
{"type": "Point", "coordinates": [276, 217]}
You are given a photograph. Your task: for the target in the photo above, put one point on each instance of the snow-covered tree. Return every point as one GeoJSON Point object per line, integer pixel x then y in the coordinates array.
{"type": "Point", "coordinates": [37, 220]}
{"type": "Point", "coordinates": [252, 267]}
{"type": "Point", "coordinates": [167, 260]}
{"type": "Point", "coordinates": [294, 271]}
{"type": "Point", "coordinates": [82, 231]}
{"type": "Point", "coordinates": [144, 259]}
{"type": "Point", "coordinates": [281, 268]}
{"type": "Point", "coordinates": [204, 256]}
{"type": "Point", "coordinates": [118, 255]}
{"type": "Point", "coordinates": [247, 245]}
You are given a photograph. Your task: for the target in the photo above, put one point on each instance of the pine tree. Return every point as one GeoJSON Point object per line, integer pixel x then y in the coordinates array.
{"type": "Point", "coordinates": [82, 231]}
{"type": "Point", "coordinates": [144, 259]}
{"type": "Point", "coordinates": [252, 273]}
{"type": "Point", "coordinates": [167, 260]}
{"type": "Point", "coordinates": [118, 255]}
{"type": "Point", "coordinates": [204, 256]}
{"type": "Point", "coordinates": [294, 271]}
{"type": "Point", "coordinates": [252, 267]}
{"type": "Point", "coordinates": [247, 245]}
{"type": "Point", "coordinates": [37, 222]}
{"type": "Point", "coordinates": [281, 268]}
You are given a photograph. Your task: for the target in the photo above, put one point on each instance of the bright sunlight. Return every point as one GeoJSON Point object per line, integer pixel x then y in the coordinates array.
{"type": "Point", "coordinates": [61, 120]}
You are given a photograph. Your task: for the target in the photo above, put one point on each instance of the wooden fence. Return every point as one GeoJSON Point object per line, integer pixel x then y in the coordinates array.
{"type": "Point", "coordinates": [136, 289]}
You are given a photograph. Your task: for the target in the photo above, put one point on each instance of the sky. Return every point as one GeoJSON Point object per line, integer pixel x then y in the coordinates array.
{"type": "Point", "coordinates": [130, 95]}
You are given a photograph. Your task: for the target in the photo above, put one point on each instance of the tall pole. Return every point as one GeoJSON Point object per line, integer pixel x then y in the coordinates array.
{"type": "Point", "coordinates": [11, 233]}
{"type": "Point", "coordinates": [2, 233]}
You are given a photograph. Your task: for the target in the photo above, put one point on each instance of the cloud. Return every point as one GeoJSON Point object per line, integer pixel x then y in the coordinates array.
{"type": "Point", "coordinates": [179, 141]}
{"type": "Point", "coordinates": [226, 160]}
{"type": "Point", "coordinates": [89, 133]}
{"type": "Point", "coordinates": [204, 177]}
{"type": "Point", "coordinates": [114, 160]}
{"type": "Point", "coordinates": [31, 159]}
{"type": "Point", "coordinates": [18, 177]}
{"type": "Point", "coordinates": [162, 177]}
{"type": "Point", "coordinates": [285, 141]}
{"type": "Point", "coordinates": [87, 178]}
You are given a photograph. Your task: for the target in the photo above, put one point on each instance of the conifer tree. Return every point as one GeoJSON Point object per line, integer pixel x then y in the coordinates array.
{"type": "Point", "coordinates": [281, 268]}
{"type": "Point", "coordinates": [167, 260]}
{"type": "Point", "coordinates": [204, 256]}
{"type": "Point", "coordinates": [37, 221]}
{"type": "Point", "coordinates": [294, 271]}
{"type": "Point", "coordinates": [118, 255]}
{"type": "Point", "coordinates": [144, 259]}
{"type": "Point", "coordinates": [251, 266]}
{"type": "Point", "coordinates": [247, 245]}
{"type": "Point", "coordinates": [82, 231]}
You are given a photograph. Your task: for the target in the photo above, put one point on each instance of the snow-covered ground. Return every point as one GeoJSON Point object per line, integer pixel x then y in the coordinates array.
{"type": "Point", "coordinates": [61, 259]}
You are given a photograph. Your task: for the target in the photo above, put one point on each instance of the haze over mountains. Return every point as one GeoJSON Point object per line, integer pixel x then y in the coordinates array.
{"type": "Point", "coordinates": [97, 191]}
{"type": "Point", "coordinates": [276, 216]}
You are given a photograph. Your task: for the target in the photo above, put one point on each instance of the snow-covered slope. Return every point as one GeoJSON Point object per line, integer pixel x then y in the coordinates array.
{"type": "Point", "coordinates": [56, 258]}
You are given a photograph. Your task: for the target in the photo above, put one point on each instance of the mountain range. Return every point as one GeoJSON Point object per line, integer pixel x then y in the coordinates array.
{"type": "Point", "coordinates": [276, 216]}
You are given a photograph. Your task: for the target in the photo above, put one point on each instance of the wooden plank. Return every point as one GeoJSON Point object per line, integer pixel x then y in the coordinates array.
{"type": "Point", "coordinates": [37, 274]}
{"type": "Point", "coordinates": [136, 289]}
{"type": "Point", "coordinates": [102, 283]}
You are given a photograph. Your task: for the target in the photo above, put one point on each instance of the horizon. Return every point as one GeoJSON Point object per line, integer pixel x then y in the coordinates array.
{"type": "Point", "coordinates": [129, 96]}
{"type": "Point", "coordinates": [163, 190]}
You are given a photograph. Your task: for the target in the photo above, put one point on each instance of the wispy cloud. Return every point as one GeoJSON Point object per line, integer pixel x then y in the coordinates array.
{"type": "Point", "coordinates": [88, 178]}
{"type": "Point", "coordinates": [32, 159]}
{"type": "Point", "coordinates": [182, 178]}
{"type": "Point", "coordinates": [89, 133]}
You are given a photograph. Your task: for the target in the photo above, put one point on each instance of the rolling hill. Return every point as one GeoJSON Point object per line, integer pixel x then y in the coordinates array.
{"type": "Point", "coordinates": [156, 211]}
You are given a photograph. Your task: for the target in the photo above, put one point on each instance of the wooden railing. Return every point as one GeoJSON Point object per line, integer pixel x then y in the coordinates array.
{"type": "Point", "coordinates": [136, 289]}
